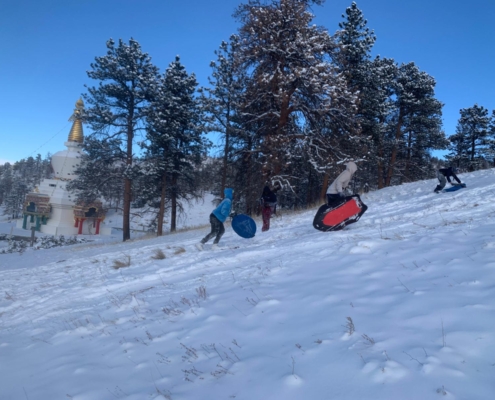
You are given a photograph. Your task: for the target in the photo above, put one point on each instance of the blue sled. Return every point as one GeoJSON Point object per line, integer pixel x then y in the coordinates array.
{"type": "Point", "coordinates": [455, 187]}
{"type": "Point", "coordinates": [244, 226]}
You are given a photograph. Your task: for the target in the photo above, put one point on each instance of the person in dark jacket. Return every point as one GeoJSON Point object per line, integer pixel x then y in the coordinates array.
{"type": "Point", "coordinates": [444, 175]}
{"type": "Point", "coordinates": [268, 203]}
{"type": "Point", "coordinates": [217, 218]}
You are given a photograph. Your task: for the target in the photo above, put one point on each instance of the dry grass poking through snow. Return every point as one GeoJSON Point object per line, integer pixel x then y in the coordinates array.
{"type": "Point", "coordinates": [126, 262]}
{"type": "Point", "coordinates": [158, 254]}
{"type": "Point", "coordinates": [179, 250]}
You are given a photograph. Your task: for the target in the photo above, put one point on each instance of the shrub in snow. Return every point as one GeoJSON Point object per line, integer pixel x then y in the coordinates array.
{"type": "Point", "coordinates": [44, 242]}
{"type": "Point", "coordinates": [15, 246]}
{"type": "Point", "coordinates": [47, 242]}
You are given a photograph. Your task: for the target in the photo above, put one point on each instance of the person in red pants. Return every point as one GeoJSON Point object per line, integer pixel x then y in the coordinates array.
{"type": "Point", "coordinates": [268, 203]}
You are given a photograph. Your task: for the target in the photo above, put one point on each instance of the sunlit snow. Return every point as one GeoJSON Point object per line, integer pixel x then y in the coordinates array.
{"type": "Point", "coordinates": [400, 305]}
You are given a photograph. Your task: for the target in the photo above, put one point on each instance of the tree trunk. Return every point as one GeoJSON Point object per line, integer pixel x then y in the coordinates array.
{"type": "Point", "coordinates": [393, 156]}
{"type": "Point", "coordinates": [173, 216]}
{"type": "Point", "coordinates": [126, 224]}
{"type": "Point", "coordinates": [161, 212]}
{"type": "Point", "coordinates": [408, 159]}
{"type": "Point", "coordinates": [379, 167]}
{"type": "Point", "coordinates": [226, 152]}
{"type": "Point", "coordinates": [473, 148]}
{"type": "Point", "coordinates": [246, 176]}
{"type": "Point", "coordinates": [273, 165]}
{"type": "Point", "coordinates": [324, 188]}
{"type": "Point", "coordinates": [309, 194]}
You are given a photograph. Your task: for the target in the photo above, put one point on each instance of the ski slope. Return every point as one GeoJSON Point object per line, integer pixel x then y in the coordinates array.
{"type": "Point", "coordinates": [400, 305]}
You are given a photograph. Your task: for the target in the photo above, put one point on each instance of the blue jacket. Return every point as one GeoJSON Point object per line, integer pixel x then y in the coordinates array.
{"type": "Point", "coordinates": [223, 209]}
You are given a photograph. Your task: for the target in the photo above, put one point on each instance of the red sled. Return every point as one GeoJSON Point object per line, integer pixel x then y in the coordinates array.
{"type": "Point", "coordinates": [336, 216]}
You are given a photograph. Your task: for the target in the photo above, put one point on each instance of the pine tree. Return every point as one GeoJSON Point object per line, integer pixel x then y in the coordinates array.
{"type": "Point", "coordinates": [416, 112]}
{"type": "Point", "coordinates": [356, 41]}
{"type": "Point", "coordinates": [118, 105]}
{"type": "Point", "coordinates": [100, 171]}
{"type": "Point", "coordinates": [6, 181]}
{"type": "Point", "coordinates": [376, 108]}
{"type": "Point", "coordinates": [469, 143]}
{"type": "Point", "coordinates": [490, 152]}
{"type": "Point", "coordinates": [174, 139]}
{"type": "Point", "coordinates": [398, 114]}
{"type": "Point", "coordinates": [220, 101]}
{"type": "Point", "coordinates": [15, 199]}
{"type": "Point", "coordinates": [293, 87]}
{"type": "Point", "coordinates": [370, 80]}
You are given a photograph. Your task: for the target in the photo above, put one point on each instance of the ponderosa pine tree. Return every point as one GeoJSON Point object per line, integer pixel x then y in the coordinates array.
{"type": "Point", "coordinates": [118, 105]}
{"type": "Point", "coordinates": [356, 41]}
{"type": "Point", "coordinates": [29, 171]}
{"type": "Point", "coordinates": [174, 138]}
{"type": "Point", "coordinates": [399, 136]}
{"type": "Point", "coordinates": [100, 171]}
{"type": "Point", "coordinates": [220, 100]}
{"type": "Point", "coordinates": [14, 201]}
{"type": "Point", "coordinates": [366, 78]}
{"type": "Point", "coordinates": [6, 181]}
{"type": "Point", "coordinates": [293, 85]}
{"type": "Point", "coordinates": [469, 143]}
{"type": "Point", "coordinates": [417, 112]}
{"type": "Point", "coordinates": [490, 153]}
{"type": "Point", "coordinates": [375, 110]}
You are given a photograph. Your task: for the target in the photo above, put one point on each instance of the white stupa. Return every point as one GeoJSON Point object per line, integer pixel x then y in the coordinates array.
{"type": "Point", "coordinates": [50, 208]}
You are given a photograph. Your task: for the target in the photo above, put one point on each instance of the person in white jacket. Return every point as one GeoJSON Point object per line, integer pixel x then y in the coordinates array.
{"type": "Point", "coordinates": [335, 191]}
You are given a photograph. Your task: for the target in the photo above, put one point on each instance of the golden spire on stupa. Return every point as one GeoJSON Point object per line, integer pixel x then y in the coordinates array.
{"type": "Point", "coordinates": [76, 132]}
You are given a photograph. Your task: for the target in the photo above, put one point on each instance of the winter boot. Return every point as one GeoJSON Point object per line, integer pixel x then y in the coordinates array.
{"type": "Point", "coordinates": [199, 246]}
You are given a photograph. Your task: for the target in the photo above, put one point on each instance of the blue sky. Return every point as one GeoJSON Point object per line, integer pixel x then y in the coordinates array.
{"type": "Point", "coordinates": [46, 47]}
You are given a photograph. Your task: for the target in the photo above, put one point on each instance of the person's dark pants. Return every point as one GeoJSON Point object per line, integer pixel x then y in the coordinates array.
{"type": "Point", "coordinates": [217, 230]}
{"type": "Point", "coordinates": [442, 181]}
{"type": "Point", "coordinates": [266, 212]}
{"type": "Point", "coordinates": [334, 199]}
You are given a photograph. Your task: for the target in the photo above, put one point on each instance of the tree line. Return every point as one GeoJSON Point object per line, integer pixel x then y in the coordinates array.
{"type": "Point", "coordinates": [18, 179]}
{"type": "Point", "coordinates": [288, 102]}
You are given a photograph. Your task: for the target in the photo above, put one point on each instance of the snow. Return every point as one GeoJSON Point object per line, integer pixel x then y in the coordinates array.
{"type": "Point", "coordinates": [400, 305]}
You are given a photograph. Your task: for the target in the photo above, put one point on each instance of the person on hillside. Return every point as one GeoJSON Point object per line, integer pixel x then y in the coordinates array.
{"type": "Point", "coordinates": [335, 192]}
{"type": "Point", "coordinates": [268, 204]}
{"type": "Point", "coordinates": [217, 218]}
{"type": "Point", "coordinates": [444, 175]}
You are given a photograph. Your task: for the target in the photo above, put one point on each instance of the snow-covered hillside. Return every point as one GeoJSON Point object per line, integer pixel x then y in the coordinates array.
{"type": "Point", "coordinates": [400, 305]}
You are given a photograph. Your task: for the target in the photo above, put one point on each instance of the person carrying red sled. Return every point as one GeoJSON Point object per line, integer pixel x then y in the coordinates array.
{"type": "Point", "coordinates": [340, 210]}
{"type": "Point", "coordinates": [335, 192]}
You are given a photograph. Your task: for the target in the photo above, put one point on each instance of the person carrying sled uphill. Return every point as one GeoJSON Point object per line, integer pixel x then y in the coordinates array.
{"type": "Point", "coordinates": [268, 203]}
{"type": "Point", "coordinates": [444, 175]}
{"type": "Point", "coordinates": [217, 218]}
{"type": "Point", "coordinates": [335, 191]}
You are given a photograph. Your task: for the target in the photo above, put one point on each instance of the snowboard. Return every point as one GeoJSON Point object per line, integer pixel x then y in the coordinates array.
{"type": "Point", "coordinates": [455, 187]}
{"type": "Point", "coordinates": [336, 216]}
{"type": "Point", "coordinates": [244, 226]}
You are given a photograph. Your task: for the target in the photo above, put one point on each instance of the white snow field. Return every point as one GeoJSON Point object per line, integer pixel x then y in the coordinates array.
{"type": "Point", "coordinates": [400, 305]}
